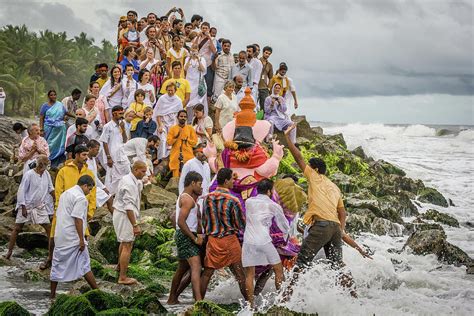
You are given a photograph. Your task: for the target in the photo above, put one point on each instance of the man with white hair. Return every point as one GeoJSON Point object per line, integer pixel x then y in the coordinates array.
{"type": "Point", "coordinates": [32, 200]}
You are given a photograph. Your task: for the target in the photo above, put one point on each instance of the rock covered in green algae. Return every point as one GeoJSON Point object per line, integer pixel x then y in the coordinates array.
{"type": "Point", "coordinates": [431, 195]}
{"type": "Point", "coordinates": [122, 312]}
{"type": "Point", "coordinates": [148, 300]}
{"type": "Point", "coordinates": [433, 241]}
{"type": "Point", "coordinates": [102, 272]}
{"type": "Point", "coordinates": [203, 308]}
{"type": "Point", "coordinates": [439, 217]}
{"type": "Point", "coordinates": [101, 300]}
{"type": "Point", "coordinates": [283, 311]}
{"type": "Point", "coordinates": [10, 308]}
{"type": "Point", "coordinates": [35, 276]}
{"type": "Point", "coordinates": [71, 305]}
{"type": "Point", "coordinates": [31, 240]}
{"type": "Point", "coordinates": [105, 241]}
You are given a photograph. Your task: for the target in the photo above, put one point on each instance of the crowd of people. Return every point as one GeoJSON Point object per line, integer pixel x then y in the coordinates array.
{"type": "Point", "coordinates": [173, 88]}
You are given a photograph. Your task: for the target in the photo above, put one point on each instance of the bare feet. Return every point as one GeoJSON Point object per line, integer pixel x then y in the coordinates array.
{"type": "Point", "coordinates": [45, 265]}
{"type": "Point", "coordinates": [172, 302]}
{"type": "Point", "coordinates": [128, 281]}
{"type": "Point", "coordinates": [8, 255]}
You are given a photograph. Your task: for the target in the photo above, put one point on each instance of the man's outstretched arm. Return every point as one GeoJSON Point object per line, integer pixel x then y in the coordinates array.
{"type": "Point", "coordinates": [293, 150]}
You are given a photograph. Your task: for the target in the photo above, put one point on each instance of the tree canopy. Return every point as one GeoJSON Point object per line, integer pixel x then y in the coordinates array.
{"type": "Point", "coordinates": [34, 63]}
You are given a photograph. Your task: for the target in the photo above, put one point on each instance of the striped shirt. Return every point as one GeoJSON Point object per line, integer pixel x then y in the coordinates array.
{"type": "Point", "coordinates": [222, 214]}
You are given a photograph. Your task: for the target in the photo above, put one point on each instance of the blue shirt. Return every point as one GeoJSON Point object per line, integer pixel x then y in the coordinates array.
{"type": "Point", "coordinates": [125, 62]}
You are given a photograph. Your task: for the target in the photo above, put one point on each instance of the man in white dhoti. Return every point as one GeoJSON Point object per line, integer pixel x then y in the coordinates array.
{"type": "Point", "coordinates": [71, 259]}
{"type": "Point", "coordinates": [198, 164]}
{"type": "Point", "coordinates": [102, 194]}
{"type": "Point", "coordinates": [126, 216]}
{"type": "Point", "coordinates": [112, 138]}
{"type": "Point", "coordinates": [258, 249]}
{"type": "Point", "coordinates": [140, 149]}
{"type": "Point", "coordinates": [32, 200]}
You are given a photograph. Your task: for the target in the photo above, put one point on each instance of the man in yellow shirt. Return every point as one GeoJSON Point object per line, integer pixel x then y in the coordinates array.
{"type": "Point", "coordinates": [103, 70]}
{"type": "Point", "coordinates": [66, 178]}
{"type": "Point", "coordinates": [182, 138]}
{"type": "Point", "coordinates": [183, 88]}
{"type": "Point", "coordinates": [326, 214]}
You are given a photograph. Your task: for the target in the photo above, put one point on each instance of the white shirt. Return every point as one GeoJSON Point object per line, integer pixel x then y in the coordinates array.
{"type": "Point", "coordinates": [34, 189]}
{"type": "Point", "coordinates": [72, 204]}
{"type": "Point", "coordinates": [112, 136]}
{"type": "Point", "coordinates": [92, 166]}
{"type": "Point", "coordinates": [128, 195]}
{"type": "Point", "coordinates": [192, 219]}
{"type": "Point", "coordinates": [129, 87]}
{"type": "Point", "coordinates": [260, 210]}
{"type": "Point", "coordinates": [257, 67]}
{"type": "Point", "coordinates": [228, 108]}
{"type": "Point", "coordinates": [199, 167]}
{"type": "Point", "coordinates": [136, 147]}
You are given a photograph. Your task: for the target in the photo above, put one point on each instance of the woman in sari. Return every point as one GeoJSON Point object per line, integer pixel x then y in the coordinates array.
{"type": "Point", "coordinates": [165, 113]}
{"type": "Point", "coordinates": [202, 124]}
{"type": "Point", "coordinates": [195, 68]}
{"type": "Point", "coordinates": [52, 124]}
{"type": "Point", "coordinates": [275, 112]}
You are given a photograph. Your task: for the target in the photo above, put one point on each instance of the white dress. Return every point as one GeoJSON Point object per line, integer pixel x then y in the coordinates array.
{"type": "Point", "coordinates": [257, 248]}
{"type": "Point", "coordinates": [228, 107]}
{"type": "Point", "coordinates": [146, 87]}
{"type": "Point", "coordinates": [192, 75]}
{"type": "Point", "coordinates": [167, 109]}
{"type": "Point", "coordinates": [69, 263]}
{"type": "Point", "coordinates": [111, 100]}
{"type": "Point", "coordinates": [129, 86]}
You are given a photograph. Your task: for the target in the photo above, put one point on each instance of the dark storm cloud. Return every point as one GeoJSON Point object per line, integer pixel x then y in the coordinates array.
{"type": "Point", "coordinates": [333, 48]}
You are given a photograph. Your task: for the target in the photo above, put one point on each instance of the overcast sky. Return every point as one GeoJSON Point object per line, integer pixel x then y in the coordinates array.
{"type": "Point", "coordinates": [334, 48]}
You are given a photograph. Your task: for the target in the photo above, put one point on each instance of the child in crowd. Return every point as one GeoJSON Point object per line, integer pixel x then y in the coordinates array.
{"type": "Point", "coordinates": [146, 127]}
{"type": "Point", "coordinates": [131, 35]}
{"type": "Point", "coordinates": [137, 107]}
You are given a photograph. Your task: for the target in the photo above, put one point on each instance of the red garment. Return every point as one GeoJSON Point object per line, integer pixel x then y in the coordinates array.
{"type": "Point", "coordinates": [257, 157]}
{"type": "Point", "coordinates": [222, 252]}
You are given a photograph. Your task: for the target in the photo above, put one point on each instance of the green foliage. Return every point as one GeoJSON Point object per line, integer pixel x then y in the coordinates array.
{"type": "Point", "coordinates": [148, 301]}
{"type": "Point", "coordinates": [208, 308]}
{"type": "Point", "coordinates": [122, 312]}
{"type": "Point", "coordinates": [440, 218]}
{"type": "Point", "coordinates": [10, 308]}
{"type": "Point", "coordinates": [102, 300]}
{"type": "Point", "coordinates": [34, 63]}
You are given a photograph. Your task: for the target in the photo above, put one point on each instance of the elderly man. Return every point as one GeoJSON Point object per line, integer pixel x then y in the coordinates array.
{"type": "Point", "coordinates": [126, 216]}
{"type": "Point", "coordinates": [32, 200]}
{"type": "Point", "coordinates": [32, 146]}
{"type": "Point", "coordinates": [223, 64]}
{"type": "Point", "coordinates": [182, 138]}
{"type": "Point", "coordinates": [71, 259]}
{"type": "Point", "coordinates": [243, 69]}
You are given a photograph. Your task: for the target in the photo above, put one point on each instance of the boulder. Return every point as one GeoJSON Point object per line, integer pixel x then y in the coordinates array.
{"type": "Point", "coordinates": [359, 152]}
{"type": "Point", "coordinates": [382, 226]}
{"type": "Point", "coordinates": [433, 241]}
{"type": "Point", "coordinates": [283, 311]}
{"type": "Point", "coordinates": [10, 308]}
{"type": "Point", "coordinates": [401, 203]}
{"type": "Point", "coordinates": [31, 240]}
{"type": "Point", "coordinates": [71, 305]}
{"type": "Point", "coordinates": [161, 215]}
{"type": "Point", "coordinates": [173, 186]}
{"type": "Point", "coordinates": [303, 129]}
{"type": "Point", "coordinates": [439, 217]}
{"type": "Point", "coordinates": [103, 272]}
{"type": "Point", "coordinates": [431, 195]}
{"type": "Point", "coordinates": [148, 301]}
{"type": "Point", "coordinates": [101, 300]}
{"type": "Point", "coordinates": [105, 242]}
{"type": "Point", "coordinates": [36, 276]}
{"type": "Point", "coordinates": [7, 222]}
{"type": "Point", "coordinates": [389, 168]}
{"type": "Point", "coordinates": [6, 151]}
{"type": "Point", "coordinates": [207, 308]}
{"type": "Point", "coordinates": [345, 182]}
{"type": "Point", "coordinates": [358, 223]}
{"type": "Point", "coordinates": [155, 196]}
{"type": "Point", "coordinates": [8, 190]}
{"type": "Point", "coordinates": [122, 312]}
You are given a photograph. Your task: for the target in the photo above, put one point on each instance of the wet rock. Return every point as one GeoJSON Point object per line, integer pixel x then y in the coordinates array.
{"type": "Point", "coordinates": [10, 308]}
{"type": "Point", "coordinates": [444, 132]}
{"type": "Point", "coordinates": [101, 300]}
{"type": "Point", "coordinates": [390, 168]}
{"type": "Point", "coordinates": [439, 217]}
{"type": "Point", "coordinates": [401, 203]}
{"type": "Point", "coordinates": [382, 226]}
{"type": "Point", "coordinates": [36, 276]}
{"type": "Point", "coordinates": [105, 241]}
{"type": "Point", "coordinates": [155, 196]}
{"type": "Point", "coordinates": [451, 203]}
{"type": "Point", "coordinates": [318, 130]}
{"type": "Point", "coordinates": [7, 222]}
{"type": "Point", "coordinates": [344, 182]}
{"type": "Point", "coordinates": [207, 308]}
{"type": "Point", "coordinates": [431, 195]}
{"type": "Point", "coordinates": [148, 300]}
{"type": "Point", "coordinates": [358, 223]}
{"type": "Point", "coordinates": [283, 311]}
{"type": "Point", "coordinates": [433, 241]}
{"type": "Point", "coordinates": [122, 312]}
{"type": "Point", "coordinates": [71, 305]}
{"type": "Point", "coordinates": [125, 291]}
{"type": "Point", "coordinates": [359, 152]}
{"type": "Point", "coordinates": [31, 240]}
{"type": "Point", "coordinates": [103, 272]}
{"type": "Point", "coordinates": [8, 190]}
{"type": "Point", "coordinates": [162, 216]}
{"type": "Point", "coordinates": [303, 129]}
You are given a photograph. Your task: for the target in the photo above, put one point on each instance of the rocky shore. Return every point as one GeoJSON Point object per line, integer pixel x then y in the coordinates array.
{"type": "Point", "coordinates": [379, 198]}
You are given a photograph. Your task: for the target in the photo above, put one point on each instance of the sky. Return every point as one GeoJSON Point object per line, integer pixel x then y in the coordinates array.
{"type": "Point", "coordinates": [336, 50]}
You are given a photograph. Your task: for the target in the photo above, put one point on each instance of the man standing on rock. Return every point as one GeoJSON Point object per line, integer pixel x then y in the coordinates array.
{"type": "Point", "coordinates": [126, 215]}
{"type": "Point", "coordinates": [102, 195]}
{"type": "Point", "coordinates": [32, 200]}
{"type": "Point", "coordinates": [188, 237]}
{"type": "Point", "coordinates": [67, 178]}
{"type": "Point", "coordinates": [71, 259]}
{"type": "Point", "coordinates": [222, 218]}
{"type": "Point", "coordinates": [326, 214]}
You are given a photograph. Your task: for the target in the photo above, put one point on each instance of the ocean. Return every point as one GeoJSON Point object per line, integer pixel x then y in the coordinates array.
{"type": "Point", "coordinates": [392, 283]}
